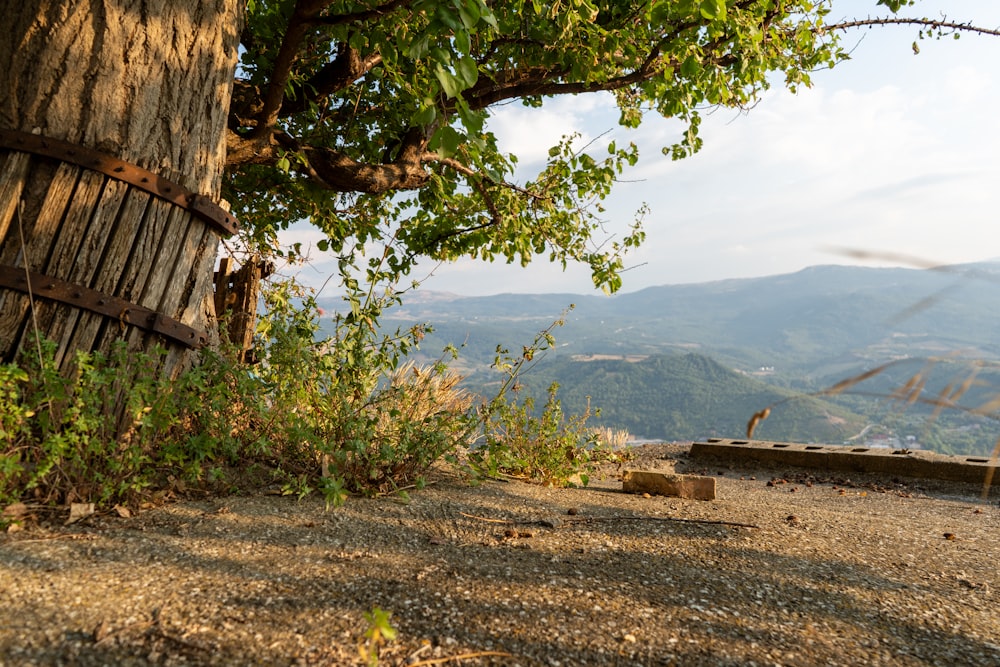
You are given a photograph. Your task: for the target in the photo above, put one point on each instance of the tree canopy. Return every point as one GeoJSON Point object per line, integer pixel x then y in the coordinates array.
{"type": "Point", "coordinates": [369, 118]}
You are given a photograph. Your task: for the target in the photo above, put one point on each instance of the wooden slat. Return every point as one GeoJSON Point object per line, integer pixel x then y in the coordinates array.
{"type": "Point", "coordinates": [199, 205]}
{"type": "Point", "coordinates": [200, 253]}
{"type": "Point", "coordinates": [99, 233]}
{"type": "Point", "coordinates": [170, 281]}
{"type": "Point", "coordinates": [127, 222]}
{"type": "Point", "coordinates": [146, 275]}
{"type": "Point", "coordinates": [47, 289]}
{"type": "Point", "coordinates": [86, 264]}
{"type": "Point", "coordinates": [13, 172]}
{"type": "Point", "coordinates": [134, 267]}
{"type": "Point", "coordinates": [54, 318]}
{"type": "Point", "coordinates": [41, 230]}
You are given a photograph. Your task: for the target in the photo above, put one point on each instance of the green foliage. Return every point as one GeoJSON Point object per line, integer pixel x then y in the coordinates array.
{"type": "Point", "coordinates": [334, 415]}
{"type": "Point", "coordinates": [382, 125]}
{"type": "Point", "coordinates": [60, 446]}
{"type": "Point", "coordinates": [344, 406]}
{"type": "Point", "coordinates": [550, 448]}
{"type": "Point", "coordinates": [380, 631]}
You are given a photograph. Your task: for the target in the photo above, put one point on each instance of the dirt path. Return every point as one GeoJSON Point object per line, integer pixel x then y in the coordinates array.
{"type": "Point", "coordinates": [836, 572]}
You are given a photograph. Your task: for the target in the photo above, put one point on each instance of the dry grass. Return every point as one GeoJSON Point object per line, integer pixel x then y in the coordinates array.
{"type": "Point", "coordinates": [612, 438]}
{"type": "Point", "coordinates": [422, 392]}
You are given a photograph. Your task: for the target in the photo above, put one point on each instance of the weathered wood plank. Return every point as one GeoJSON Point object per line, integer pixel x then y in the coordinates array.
{"type": "Point", "coordinates": [127, 222]}
{"type": "Point", "coordinates": [53, 318]}
{"type": "Point", "coordinates": [87, 261]}
{"type": "Point", "coordinates": [196, 305]}
{"type": "Point", "coordinates": [134, 273]}
{"type": "Point", "coordinates": [40, 230]}
{"type": "Point", "coordinates": [145, 278]}
{"type": "Point", "coordinates": [169, 281]}
{"type": "Point", "coordinates": [13, 173]}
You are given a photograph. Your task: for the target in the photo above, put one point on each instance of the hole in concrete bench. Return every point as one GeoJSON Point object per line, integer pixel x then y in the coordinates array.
{"type": "Point", "coordinates": [978, 460]}
{"type": "Point", "coordinates": [739, 442]}
{"type": "Point", "coordinates": [860, 449]}
{"type": "Point", "coordinates": [779, 445]}
{"type": "Point", "coordinates": [715, 439]}
{"type": "Point", "coordinates": [811, 447]}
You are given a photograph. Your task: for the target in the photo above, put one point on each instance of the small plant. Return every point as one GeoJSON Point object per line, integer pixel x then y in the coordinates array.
{"type": "Point", "coordinates": [380, 631]}
{"type": "Point", "coordinates": [611, 438]}
{"type": "Point", "coordinates": [336, 415]}
{"type": "Point", "coordinates": [60, 446]}
{"type": "Point", "coordinates": [550, 447]}
{"type": "Point", "coordinates": [418, 416]}
{"type": "Point", "coordinates": [343, 415]}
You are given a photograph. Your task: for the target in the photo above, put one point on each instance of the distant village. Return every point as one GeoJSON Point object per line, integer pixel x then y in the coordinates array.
{"type": "Point", "coordinates": [888, 441]}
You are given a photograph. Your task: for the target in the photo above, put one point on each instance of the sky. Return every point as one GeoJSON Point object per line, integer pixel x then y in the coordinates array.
{"type": "Point", "coordinates": [890, 154]}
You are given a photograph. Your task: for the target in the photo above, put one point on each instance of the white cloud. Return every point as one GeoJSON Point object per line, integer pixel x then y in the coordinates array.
{"type": "Point", "coordinates": [529, 133]}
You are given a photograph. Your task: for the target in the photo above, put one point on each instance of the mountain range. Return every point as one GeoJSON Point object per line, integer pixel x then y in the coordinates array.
{"type": "Point", "coordinates": [747, 342]}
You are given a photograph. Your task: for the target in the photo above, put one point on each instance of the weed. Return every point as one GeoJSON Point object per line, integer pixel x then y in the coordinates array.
{"type": "Point", "coordinates": [550, 447]}
{"type": "Point", "coordinates": [380, 631]}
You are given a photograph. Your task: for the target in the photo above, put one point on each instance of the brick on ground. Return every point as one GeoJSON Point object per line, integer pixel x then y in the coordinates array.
{"type": "Point", "coordinates": [694, 487]}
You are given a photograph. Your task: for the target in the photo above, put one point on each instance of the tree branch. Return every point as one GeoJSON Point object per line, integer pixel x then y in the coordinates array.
{"type": "Point", "coordinates": [942, 24]}
{"type": "Point", "coordinates": [543, 82]}
{"type": "Point", "coordinates": [333, 169]}
{"type": "Point", "coordinates": [466, 171]}
{"type": "Point", "coordinates": [336, 75]}
{"type": "Point", "coordinates": [361, 16]}
{"type": "Point", "coordinates": [299, 25]}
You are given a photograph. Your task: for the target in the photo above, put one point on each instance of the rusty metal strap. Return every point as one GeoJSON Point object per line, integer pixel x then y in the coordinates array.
{"type": "Point", "coordinates": [53, 289]}
{"type": "Point", "coordinates": [199, 205]}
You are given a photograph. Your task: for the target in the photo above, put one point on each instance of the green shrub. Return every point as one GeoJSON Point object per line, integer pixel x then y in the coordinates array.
{"type": "Point", "coordinates": [344, 409]}
{"type": "Point", "coordinates": [550, 447]}
{"type": "Point", "coordinates": [338, 415]}
{"type": "Point", "coordinates": [59, 444]}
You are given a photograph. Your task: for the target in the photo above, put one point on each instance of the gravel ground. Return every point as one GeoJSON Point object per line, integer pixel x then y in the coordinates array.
{"type": "Point", "coordinates": [823, 571]}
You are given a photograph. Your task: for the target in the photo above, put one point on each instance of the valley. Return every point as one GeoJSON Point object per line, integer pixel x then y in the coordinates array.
{"type": "Point", "coordinates": [684, 362]}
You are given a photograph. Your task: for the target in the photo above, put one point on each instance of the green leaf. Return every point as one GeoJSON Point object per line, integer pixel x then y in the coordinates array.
{"type": "Point", "coordinates": [471, 120]}
{"type": "Point", "coordinates": [446, 141]}
{"type": "Point", "coordinates": [690, 67]}
{"type": "Point", "coordinates": [463, 42]}
{"type": "Point", "coordinates": [469, 13]}
{"type": "Point", "coordinates": [426, 115]}
{"type": "Point", "coordinates": [487, 15]}
{"type": "Point", "coordinates": [449, 84]}
{"type": "Point", "coordinates": [713, 9]}
{"type": "Point", "coordinates": [467, 71]}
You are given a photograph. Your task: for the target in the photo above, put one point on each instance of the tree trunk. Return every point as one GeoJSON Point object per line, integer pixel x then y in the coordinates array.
{"type": "Point", "coordinates": [87, 258]}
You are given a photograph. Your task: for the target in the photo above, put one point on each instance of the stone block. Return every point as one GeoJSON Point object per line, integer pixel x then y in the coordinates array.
{"type": "Point", "coordinates": [694, 487]}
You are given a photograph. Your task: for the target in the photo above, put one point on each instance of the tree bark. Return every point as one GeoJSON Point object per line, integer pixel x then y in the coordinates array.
{"type": "Point", "coordinates": [145, 81]}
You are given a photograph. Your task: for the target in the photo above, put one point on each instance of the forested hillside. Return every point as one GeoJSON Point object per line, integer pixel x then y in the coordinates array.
{"type": "Point", "coordinates": [683, 397]}
{"type": "Point", "coordinates": [756, 341]}
{"type": "Point", "coordinates": [815, 326]}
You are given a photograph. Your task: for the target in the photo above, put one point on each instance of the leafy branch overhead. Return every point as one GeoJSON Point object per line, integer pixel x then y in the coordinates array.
{"type": "Point", "coordinates": [370, 117]}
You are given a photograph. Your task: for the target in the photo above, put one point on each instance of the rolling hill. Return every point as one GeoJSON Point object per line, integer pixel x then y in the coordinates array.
{"type": "Point", "coordinates": [684, 397]}
{"type": "Point", "coordinates": [706, 356]}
